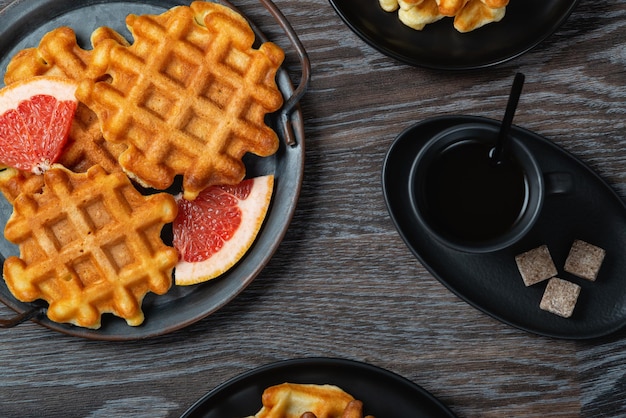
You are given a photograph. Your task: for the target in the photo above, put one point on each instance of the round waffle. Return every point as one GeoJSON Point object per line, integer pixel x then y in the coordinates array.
{"type": "Point", "coordinates": [89, 244]}
{"type": "Point", "coordinates": [188, 97]}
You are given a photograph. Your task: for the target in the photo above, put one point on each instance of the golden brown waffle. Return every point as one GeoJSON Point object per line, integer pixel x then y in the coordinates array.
{"type": "Point", "coordinates": [89, 244]}
{"type": "Point", "coordinates": [417, 14]}
{"type": "Point", "coordinates": [450, 7]}
{"type": "Point", "coordinates": [477, 13]}
{"type": "Point", "coordinates": [189, 96]}
{"type": "Point", "coordinates": [468, 14]}
{"type": "Point", "coordinates": [58, 54]}
{"type": "Point", "coordinates": [291, 400]}
{"type": "Point", "coordinates": [14, 181]}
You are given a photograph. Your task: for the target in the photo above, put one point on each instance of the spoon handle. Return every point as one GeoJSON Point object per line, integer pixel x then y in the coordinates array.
{"type": "Point", "coordinates": [507, 121]}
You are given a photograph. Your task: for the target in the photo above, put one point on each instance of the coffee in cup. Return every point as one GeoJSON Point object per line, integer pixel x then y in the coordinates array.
{"type": "Point", "coordinates": [469, 200]}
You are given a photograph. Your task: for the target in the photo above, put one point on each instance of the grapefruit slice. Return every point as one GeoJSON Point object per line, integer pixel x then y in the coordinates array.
{"type": "Point", "coordinates": [215, 230]}
{"type": "Point", "coordinates": [36, 115]}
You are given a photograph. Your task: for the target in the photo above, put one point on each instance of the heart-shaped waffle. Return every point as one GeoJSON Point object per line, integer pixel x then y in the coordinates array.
{"type": "Point", "coordinates": [294, 400]}
{"type": "Point", "coordinates": [468, 14]}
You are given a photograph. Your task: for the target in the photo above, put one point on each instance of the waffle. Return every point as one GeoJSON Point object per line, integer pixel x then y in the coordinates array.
{"type": "Point", "coordinates": [89, 244]}
{"type": "Point", "coordinates": [418, 13]}
{"type": "Point", "coordinates": [478, 13]}
{"type": "Point", "coordinates": [290, 400]}
{"type": "Point", "coordinates": [58, 54]}
{"type": "Point", "coordinates": [188, 97]}
{"type": "Point", "coordinates": [468, 14]}
{"type": "Point", "coordinates": [14, 181]}
{"type": "Point", "coordinates": [450, 7]}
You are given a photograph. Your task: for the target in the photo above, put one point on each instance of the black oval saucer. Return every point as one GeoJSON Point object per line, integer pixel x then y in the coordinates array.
{"type": "Point", "coordinates": [490, 282]}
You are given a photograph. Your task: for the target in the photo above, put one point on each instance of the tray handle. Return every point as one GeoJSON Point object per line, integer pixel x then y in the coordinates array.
{"type": "Point", "coordinates": [291, 103]}
{"type": "Point", "coordinates": [22, 317]}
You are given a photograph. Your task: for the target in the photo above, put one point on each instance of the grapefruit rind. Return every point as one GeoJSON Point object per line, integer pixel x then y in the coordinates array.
{"type": "Point", "coordinates": [29, 139]}
{"type": "Point", "coordinates": [254, 209]}
{"type": "Point", "coordinates": [60, 88]}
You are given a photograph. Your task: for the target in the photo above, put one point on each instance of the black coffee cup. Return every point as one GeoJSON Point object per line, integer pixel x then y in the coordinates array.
{"type": "Point", "coordinates": [468, 200]}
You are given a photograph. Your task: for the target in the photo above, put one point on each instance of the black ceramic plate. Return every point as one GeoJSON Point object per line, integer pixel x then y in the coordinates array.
{"type": "Point", "coordinates": [440, 46]}
{"type": "Point", "coordinates": [592, 212]}
{"type": "Point", "coordinates": [22, 24]}
{"type": "Point", "coordinates": [384, 394]}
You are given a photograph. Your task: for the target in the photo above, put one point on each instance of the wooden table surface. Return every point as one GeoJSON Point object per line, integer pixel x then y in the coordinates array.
{"type": "Point", "coordinates": [342, 283]}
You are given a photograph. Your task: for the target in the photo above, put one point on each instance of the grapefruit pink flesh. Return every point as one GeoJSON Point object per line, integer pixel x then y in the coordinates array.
{"type": "Point", "coordinates": [35, 120]}
{"type": "Point", "coordinates": [214, 231]}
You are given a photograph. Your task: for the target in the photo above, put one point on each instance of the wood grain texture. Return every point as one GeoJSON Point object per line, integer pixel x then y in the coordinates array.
{"type": "Point", "coordinates": [342, 283]}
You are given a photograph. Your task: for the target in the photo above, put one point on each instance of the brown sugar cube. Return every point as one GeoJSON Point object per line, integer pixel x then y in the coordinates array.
{"type": "Point", "coordinates": [536, 265]}
{"type": "Point", "coordinates": [560, 297]}
{"type": "Point", "coordinates": [584, 260]}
